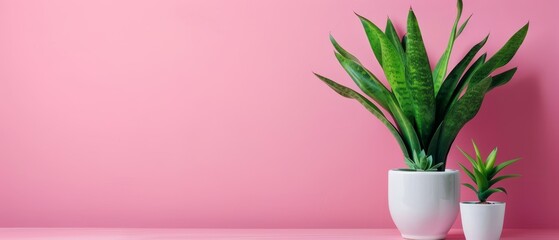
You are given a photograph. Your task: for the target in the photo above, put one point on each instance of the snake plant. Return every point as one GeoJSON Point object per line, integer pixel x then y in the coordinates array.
{"type": "Point", "coordinates": [484, 173]}
{"type": "Point", "coordinates": [427, 107]}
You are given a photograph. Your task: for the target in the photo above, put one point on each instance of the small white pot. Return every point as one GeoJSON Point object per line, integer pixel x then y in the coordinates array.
{"type": "Point", "coordinates": [482, 221]}
{"type": "Point", "coordinates": [423, 205]}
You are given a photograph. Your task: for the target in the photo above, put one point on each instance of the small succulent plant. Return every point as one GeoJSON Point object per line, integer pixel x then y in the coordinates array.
{"type": "Point", "coordinates": [484, 173]}
{"type": "Point", "coordinates": [422, 162]}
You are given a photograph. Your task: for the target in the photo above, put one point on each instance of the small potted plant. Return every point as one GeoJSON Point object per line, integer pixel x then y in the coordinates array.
{"type": "Point", "coordinates": [483, 220]}
{"type": "Point", "coordinates": [424, 109]}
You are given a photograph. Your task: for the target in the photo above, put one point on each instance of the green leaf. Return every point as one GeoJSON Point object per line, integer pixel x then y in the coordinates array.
{"type": "Point", "coordinates": [405, 126]}
{"type": "Point", "coordinates": [404, 41]}
{"type": "Point", "coordinates": [470, 187]}
{"type": "Point", "coordinates": [451, 82]}
{"type": "Point", "coordinates": [423, 165]}
{"type": "Point", "coordinates": [392, 64]}
{"type": "Point", "coordinates": [421, 162]}
{"type": "Point", "coordinates": [502, 166]}
{"type": "Point", "coordinates": [483, 173]}
{"type": "Point", "coordinates": [436, 166]}
{"type": "Point", "coordinates": [342, 51]}
{"type": "Point", "coordinates": [463, 26]}
{"type": "Point", "coordinates": [410, 164]}
{"type": "Point", "coordinates": [371, 30]}
{"type": "Point", "coordinates": [502, 78]}
{"type": "Point", "coordinates": [491, 160]}
{"type": "Point", "coordinates": [478, 154]}
{"type": "Point", "coordinates": [393, 36]}
{"type": "Point", "coordinates": [459, 114]}
{"type": "Point", "coordinates": [483, 195]}
{"type": "Point", "coordinates": [502, 190]}
{"type": "Point", "coordinates": [468, 172]}
{"type": "Point", "coordinates": [420, 80]}
{"type": "Point", "coordinates": [372, 87]}
{"type": "Point", "coordinates": [500, 178]}
{"type": "Point", "coordinates": [440, 69]}
{"type": "Point", "coordinates": [465, 80]}
{"type": "Point", "coordinates": [460, 87]}
{"type": "Point", "coordinates": [503, 56]}
{"type": "Point", "coordinates": [349, 93]}
{"type": "Point", "coordinates": [479, 158]}
{"type": "Point", "coordinates": [470, 158]}
{"type": "Point", "coordinates": [365, 80]}
{"type": "Point", "coordinates": [494, 190]}
{"type": "Point", "coordinates": [481, 180]}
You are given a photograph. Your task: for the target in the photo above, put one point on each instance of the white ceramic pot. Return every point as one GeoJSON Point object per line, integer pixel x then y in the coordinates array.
{"type": "Point", "coordinates": [423, 205]}
{"type": "Point", "coordinates": [482, 221]}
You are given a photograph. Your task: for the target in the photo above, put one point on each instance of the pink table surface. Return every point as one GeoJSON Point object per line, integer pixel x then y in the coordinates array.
{"type": "Point", "coordinates": [238, 234]}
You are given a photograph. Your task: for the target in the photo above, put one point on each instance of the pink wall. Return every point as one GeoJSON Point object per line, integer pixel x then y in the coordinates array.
{"type": "Point", "coordinates": [206, 114]}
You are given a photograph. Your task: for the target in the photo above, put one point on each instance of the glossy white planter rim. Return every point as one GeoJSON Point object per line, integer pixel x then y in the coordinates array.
{"type": "Point", "coordinates": [423, 204]}
{"type": "Point", "coordinates": [478, 204]}
{"type": "Point", "coordinates": [406, 171]}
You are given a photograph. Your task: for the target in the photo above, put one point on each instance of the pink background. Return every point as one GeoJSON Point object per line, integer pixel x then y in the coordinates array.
{"type": "Point", "coordinates": [206, 114]}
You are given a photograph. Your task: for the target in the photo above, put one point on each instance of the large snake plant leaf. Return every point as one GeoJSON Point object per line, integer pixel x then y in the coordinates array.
{"type": "Point", "coordinates": [503, 56]}
{"type": "Point", "coordinates": [373, 88]}
{"type": "Point", "coordinates": [366, 81]}
{"type": "Point", "coordinates": [420, 80]}
{"type": "Point", "coordinates": [442, 65]}
{"type": "Point", "coordinates": [405, 125]}
{"type": "Point", "coordinates": [461, 86]}
{"type": "Point", "coordinates": [459, 114]}
{"type": "Point", "coordinates": [404, 41]}
{"type": "Point", "coordinates": [393, 36]}
{"type": "Point", "coordinates": [374, 39]}
{"type": "Point", "coordinates": [350, 93]}
{"type": "Point", "coordinates": [502, 78]}
{"type": "Point", "coordinates": [342, 51]}
{"type": "Point", "coordinates": [451, 81]}
{"type": "Point", "coordinates": [463, 26]}
{"type": "Point", "coordinates": [392, 64]}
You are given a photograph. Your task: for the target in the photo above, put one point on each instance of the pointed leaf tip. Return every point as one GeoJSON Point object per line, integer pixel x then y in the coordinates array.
{"type": "Point", "coordinates": [316, 74]}
{"type": "Point", "coordinates": [486, 38]}
{"type": "Point", "coordinates": [527, 25]}
{"type": "Point", "coordinates": [361, 18]}
{"type": "Point", "coordinates": [357, 14]}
